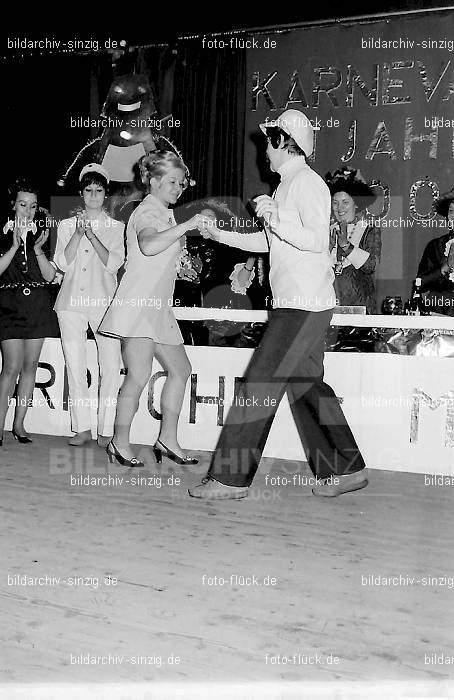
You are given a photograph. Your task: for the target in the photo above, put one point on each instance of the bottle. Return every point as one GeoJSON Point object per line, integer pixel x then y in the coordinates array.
{"type": "Point", "coordinates": [415, 305]}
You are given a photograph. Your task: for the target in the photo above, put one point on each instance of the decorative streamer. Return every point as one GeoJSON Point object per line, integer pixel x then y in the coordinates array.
{"type": "Point", "coordinates": [409, 139]}
{"type": "Point", "coordinates": [416, 186]}
{"type": "Point", "coordinates": [427, 85]}
{"type": "Point", "coordinates": [351, 140]}
{"type": "Point", "coordinates": [262, 87]}
{"type": "Point", "coordinates": [386, 203]}
{"type": "Point", "coordinates": [296, 86]}
{"type": "Point", "coordinates": [381, 134]}
{"type": "Point", "coordinates": [354, 77]}
{"type": "Point", "coordinates": [62, 180]}
{"type": "Point", "coordinates": [317, 88]}
{"type": "Point", "coordinates": [314, 150]}
{"type": "Point", "coordinates": [449, 90]}
{"type": "Point", "coordinates": [389, 83]}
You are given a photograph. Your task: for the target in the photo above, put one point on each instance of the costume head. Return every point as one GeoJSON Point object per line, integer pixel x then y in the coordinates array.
{"type": "Point", "coordinates": [130, 126]}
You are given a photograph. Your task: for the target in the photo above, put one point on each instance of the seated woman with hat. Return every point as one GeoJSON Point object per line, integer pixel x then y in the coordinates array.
{"type": "Point", "coordinates": [436, 268]}
{"type": "Point", "coordinates": [355, 243]}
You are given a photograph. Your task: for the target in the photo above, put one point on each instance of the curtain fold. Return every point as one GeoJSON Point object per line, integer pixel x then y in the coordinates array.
{"type": "Point", "coordinates": [209, 100]}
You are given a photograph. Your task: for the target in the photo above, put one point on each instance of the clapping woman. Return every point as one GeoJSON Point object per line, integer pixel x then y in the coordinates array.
{"type": "Point", "coordinates": [90, 250]}
{"type": "Point", "coordinates": [355, 243]}
{"type": "Point", "coordinates": [26, 315]}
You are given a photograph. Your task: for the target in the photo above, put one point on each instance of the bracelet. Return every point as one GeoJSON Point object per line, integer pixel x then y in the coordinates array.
{"type": "Point", "coordinates": [40, 255]}
{"type": "Point", "coordinates": [246, 268]}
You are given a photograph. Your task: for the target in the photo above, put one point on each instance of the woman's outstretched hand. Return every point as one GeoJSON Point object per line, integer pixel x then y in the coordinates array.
{"type": "Point", "coordinates": [207, 226]}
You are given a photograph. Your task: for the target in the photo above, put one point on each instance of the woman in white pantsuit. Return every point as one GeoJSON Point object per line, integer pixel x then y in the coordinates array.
{"type": "Point", "coordinates": [90, 250]}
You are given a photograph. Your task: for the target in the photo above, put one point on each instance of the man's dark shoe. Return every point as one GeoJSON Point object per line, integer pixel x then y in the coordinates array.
{"type": "Point", "coordinates": [338, 484]}
{"type": "Point", "coordinates": [210, 489]}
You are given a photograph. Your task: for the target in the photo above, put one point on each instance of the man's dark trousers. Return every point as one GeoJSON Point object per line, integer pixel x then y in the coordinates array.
{"type": "Point", "coordinates": [289, 358]}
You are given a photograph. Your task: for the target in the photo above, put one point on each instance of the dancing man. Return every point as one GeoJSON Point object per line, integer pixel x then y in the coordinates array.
{"type": "Point", "coordinates": [290, 356]}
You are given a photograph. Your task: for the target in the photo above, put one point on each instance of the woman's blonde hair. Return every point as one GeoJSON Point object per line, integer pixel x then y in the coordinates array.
{"type": "Point", "coordinates": [158, 163]}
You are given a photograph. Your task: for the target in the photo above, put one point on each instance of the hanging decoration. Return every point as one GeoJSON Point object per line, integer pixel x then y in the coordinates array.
{"type": "Point", "coordinates": [131, 128]}
{"type": "Point", "coordinates": [128, 121]}
{"type": "Point", "coordinates": [416, 186]}
{"type": "Point", "coordinates": [386, 201]}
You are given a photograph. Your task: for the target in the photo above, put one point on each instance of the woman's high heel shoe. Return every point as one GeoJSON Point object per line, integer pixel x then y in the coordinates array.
{"type": "Point", "coordinates": [114, 454]}
{"type": "Point", "coordinates": [23, 439]}
{"type": "Point", "coordinates": [163, 450]}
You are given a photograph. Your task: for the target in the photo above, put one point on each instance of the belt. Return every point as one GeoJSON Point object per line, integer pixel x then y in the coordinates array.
{"type": "Point", "coordinates": [26, 286]}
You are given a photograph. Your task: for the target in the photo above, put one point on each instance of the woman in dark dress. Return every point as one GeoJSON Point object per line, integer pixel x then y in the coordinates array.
{"type": "Point", "coordinates": [26, 302]}
{"type": "Point", "coordinates": [355, 243]}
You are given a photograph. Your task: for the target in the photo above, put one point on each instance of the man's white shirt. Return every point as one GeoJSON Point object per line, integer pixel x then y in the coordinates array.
{"type": "Point", "coordinates": [301, 274]}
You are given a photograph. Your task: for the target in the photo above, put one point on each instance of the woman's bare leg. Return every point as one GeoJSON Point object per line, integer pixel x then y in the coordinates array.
{"type": "Point", "coordinates": [12, 360]}
{"type": "Point", "coordinates": [175, 362]}
{"type": "Point", "coordinates": [27, 377]}
{"type": "Point", "coordinates": [137, 358]}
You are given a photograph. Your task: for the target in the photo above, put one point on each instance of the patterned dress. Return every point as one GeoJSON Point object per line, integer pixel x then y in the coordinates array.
{"type": "Point", "coordinates": [142, 305]}
{"type": "Point", "coordinates": [355, 286]}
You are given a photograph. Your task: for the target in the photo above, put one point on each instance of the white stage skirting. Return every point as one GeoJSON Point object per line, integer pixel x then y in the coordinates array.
{"type": "Point", "coordinates": [400, 408]}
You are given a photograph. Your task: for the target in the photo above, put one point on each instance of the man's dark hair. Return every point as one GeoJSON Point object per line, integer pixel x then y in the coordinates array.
{"type": "Point", "coordinates": [274, 134]}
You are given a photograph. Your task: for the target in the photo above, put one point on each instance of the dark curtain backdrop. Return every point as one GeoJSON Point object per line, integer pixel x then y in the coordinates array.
{"type": "Point", "coordinates": [205, 89]}
{"type": "Point", "coordinates": [158, 63]}
{"type": "Point", "coordinates": [42, 94]}
{"type": "Point", "coordinates": [209, 101]}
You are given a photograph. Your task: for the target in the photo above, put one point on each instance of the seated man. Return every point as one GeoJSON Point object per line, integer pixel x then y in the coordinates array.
{"type": "Point", "coordinates": [436, 268]}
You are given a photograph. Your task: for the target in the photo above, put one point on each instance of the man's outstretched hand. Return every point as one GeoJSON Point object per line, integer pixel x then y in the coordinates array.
{"type": "Point", "coordinates": [267, 209]}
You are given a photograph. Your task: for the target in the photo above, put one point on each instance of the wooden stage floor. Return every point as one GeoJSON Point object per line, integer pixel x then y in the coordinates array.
{"type": "Point", "coordinates": [139, 584]}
